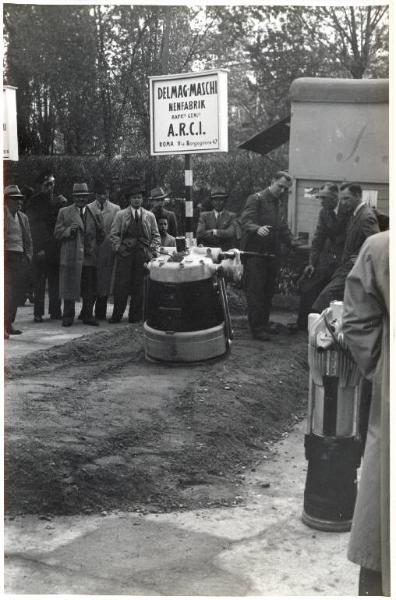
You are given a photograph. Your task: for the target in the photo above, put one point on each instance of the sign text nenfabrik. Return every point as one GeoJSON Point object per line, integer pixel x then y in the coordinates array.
{"type": "Point", "coordinates": [188, 113]}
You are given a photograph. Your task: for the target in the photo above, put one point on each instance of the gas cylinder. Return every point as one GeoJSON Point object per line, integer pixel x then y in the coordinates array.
{"type": "Point", "coordinates": [332, 444]}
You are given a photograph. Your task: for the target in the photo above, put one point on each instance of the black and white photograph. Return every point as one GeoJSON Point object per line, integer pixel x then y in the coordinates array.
{"type": "Point", "coordinates": [196, 299]}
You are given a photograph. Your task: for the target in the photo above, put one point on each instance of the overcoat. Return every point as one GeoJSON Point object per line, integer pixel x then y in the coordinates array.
{"type": "Point", "coordinates": [151, 240]}
{"type": "Point", "coordinates": [366, 332]}
{"type": "Point", "coordinates": [225, 226]}
{"type": "Point", "coordinates": [105, 258]}
{"type": "Point", "coordinates": [76, 251]}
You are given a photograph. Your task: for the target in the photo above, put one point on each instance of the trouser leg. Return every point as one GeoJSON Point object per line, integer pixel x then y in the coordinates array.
{"type": "Point", "coordinates": [100, 307]}
{"type": "Point", "coordinates": [138, 272]}
{"type": "Point", "coordinates": [309, 292]}
{"type": "Point", "coordinates": [39, 279]}
{"type": "Point", "coordinates": [122, 285]}
{"type": "Point", "coordinates": [260, 287]}
{"type": "Point", "coordinates": [370, 582]}
{"type": "Point", "coordinates": [54, 307]}
{"type": "Point", "coordinates": [334, 290]}
{"type": "Point", "coordinates": [68, 309]}
{"type": "Point", "coordinates": [88, 289]}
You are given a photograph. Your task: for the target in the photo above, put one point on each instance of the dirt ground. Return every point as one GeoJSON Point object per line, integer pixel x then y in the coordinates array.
{"type": "Point", "coordinates": [93, 427]}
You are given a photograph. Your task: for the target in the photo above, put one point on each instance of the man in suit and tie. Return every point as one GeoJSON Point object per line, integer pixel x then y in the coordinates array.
{"type": "Point", "coordinates": [361, 225]}
{"type": "Point", "coordinates": [79, 231]}
{"type": "Point", "coordinates": [216, 228]}
{"type": "Point", "coordinates": [157, 199]}
{"type": "Point", "coordinates": [135, 239]}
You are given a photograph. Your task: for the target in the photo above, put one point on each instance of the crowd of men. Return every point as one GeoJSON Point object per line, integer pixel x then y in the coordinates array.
{"type": "Point", "coordinates": [91, 248]}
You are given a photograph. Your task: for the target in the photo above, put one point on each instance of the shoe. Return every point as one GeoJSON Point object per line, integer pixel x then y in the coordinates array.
{"type": "Point", "coordinates": [272, 328]}
{"type": "Point", "coordinates": [90, 321]}
{"type": "Point", "coordinates": [134, 320]}
{"type": "Point", "coordinates": [67, 322]}
{"type": "Point", "coordinates": [13, 331]}
{"type": "Point", "coordinates": [100, 317]}
{"type": "Point", "coordinates": [55, 317]}
{"type": "Point", "coordinates": [292, 327]}
{"type": "Point", "coordinates": [114, 320]}
{"type": "Point", "coordinates": [262, 336]}
{"type": "Point", "coordinates": [38, 319]}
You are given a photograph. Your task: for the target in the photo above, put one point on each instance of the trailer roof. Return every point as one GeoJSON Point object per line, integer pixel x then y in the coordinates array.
{"type": "Point", "coordinates": [323, 89]}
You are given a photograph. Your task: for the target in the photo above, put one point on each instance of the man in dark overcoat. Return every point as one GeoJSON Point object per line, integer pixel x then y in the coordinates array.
{"type": "Point", "coordinates": [135, 239]}
{"type": "Point", "coordinates": [326, 250]}
{"type": "Point", "coordinates": [264, 230]}
{"type": "Point", "coordinates": [216, 228]}
{"type": "Point", "coordinates": [42, 210]}
{"type": "Point", "coordinates": [18, 252]}
{"type": "Point", "coordinates": [157, 201]}
{"type": "Point", "coordinates": [80, 231]}
{"type": "Point", "coordinates": [102, 206]}
{"type": "Point", "coordinates": [362, 223]}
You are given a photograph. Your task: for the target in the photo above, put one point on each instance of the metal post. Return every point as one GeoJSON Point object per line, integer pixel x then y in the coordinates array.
{"type": "Point", "coordinates": [189, 210]}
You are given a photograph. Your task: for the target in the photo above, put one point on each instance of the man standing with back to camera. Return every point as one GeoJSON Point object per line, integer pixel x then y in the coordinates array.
{"type": "Point", "coordinates": [264, 230]}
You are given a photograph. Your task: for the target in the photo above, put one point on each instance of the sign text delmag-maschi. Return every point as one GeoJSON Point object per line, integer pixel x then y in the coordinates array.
{"type": "Point", "coordinates": [188, 113]}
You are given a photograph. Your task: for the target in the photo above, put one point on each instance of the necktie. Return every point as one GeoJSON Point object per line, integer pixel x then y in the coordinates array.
{"type": "Point", "coordinates": [81, 213]}
{"type": "Point", "coordinates": [136, 216]}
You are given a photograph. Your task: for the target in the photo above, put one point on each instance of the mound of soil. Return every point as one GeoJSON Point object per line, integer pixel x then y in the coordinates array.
{"type": "Point", "coordinates": [92, 426]}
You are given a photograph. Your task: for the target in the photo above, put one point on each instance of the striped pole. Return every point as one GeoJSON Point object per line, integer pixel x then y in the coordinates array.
{"type": "Point", "coordinates": [189, 210]}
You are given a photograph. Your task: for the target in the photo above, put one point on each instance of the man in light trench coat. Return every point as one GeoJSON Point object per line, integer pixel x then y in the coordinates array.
{"type": "Point", "coordinates": [366, 332]}
{"type": "Point", "coordinates": [80, 232]}
{"type": "Point", "coordinates": [102, 207]}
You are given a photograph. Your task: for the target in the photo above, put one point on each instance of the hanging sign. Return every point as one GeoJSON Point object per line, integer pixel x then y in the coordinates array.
{"type": "Point", "coordinates": [10, 137]}
{"type": "Point", "coordinates": [189, 113]}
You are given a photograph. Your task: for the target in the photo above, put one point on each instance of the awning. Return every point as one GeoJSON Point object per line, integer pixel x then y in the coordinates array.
{"type": "Point", "coordinates": [270, 138]}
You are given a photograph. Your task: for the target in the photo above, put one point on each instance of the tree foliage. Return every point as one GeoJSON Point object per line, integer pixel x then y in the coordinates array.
{"type": "Point", "coordinates": [82, 70]}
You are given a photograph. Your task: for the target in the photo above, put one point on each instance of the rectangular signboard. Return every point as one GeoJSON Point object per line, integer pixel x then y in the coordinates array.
{"type": "Point", "coordinates": [10, 137]}
{"type": "Point", "coordinates": [189, 113]}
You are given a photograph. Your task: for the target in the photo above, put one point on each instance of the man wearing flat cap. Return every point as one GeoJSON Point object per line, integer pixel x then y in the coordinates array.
{"type": "Point", "coordinates": [80, 232]}
{"type": "Point", "coordinates": [102, 206]}
{"type": "Point", "coordinates": [157, 201]}
{"type": "Point", "coordinates": [326, 250]}
{"type": "Point", "coordinates": [18, 252]}
{"type": "Point", "coordinates": [135, 239]}
{"type": "Point", "coordinates": [217, 228]}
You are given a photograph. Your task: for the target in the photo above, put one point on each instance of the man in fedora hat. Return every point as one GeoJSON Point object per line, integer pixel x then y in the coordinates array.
{"type": "Point", "coordinates": [80, 231]}
{"type": "Point", "coordinates": [157, 200]}
{"type": "Point", "coordinates": [17, 256]}
{"type": "Point", "coordinates": [217, 228]}
{"type": "Point", "coordinates": [135, 239]}
{"type": "Point", "coordinates": [42, 210]}
{"type": "Point", "coordinates": [102, 206]}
